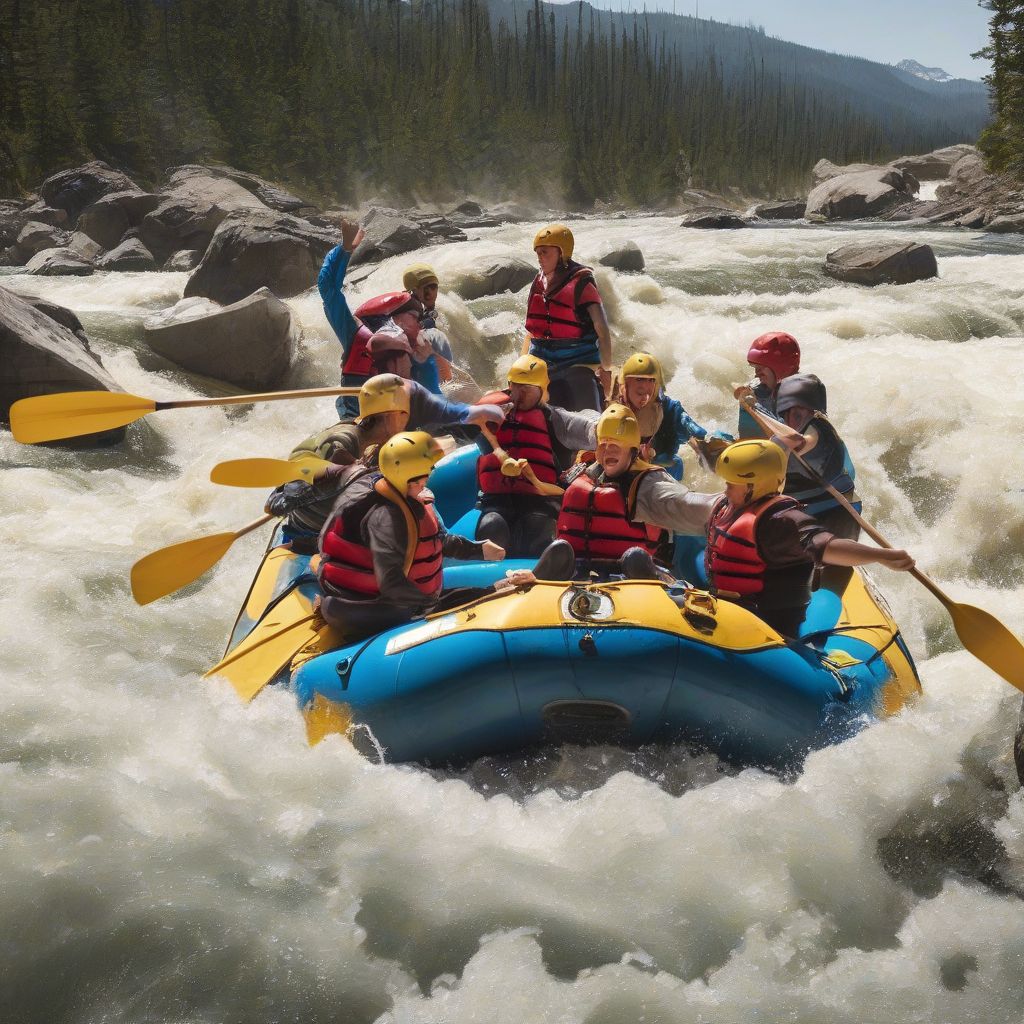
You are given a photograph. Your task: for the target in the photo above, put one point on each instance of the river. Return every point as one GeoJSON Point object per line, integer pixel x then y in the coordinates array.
{"type": "Point", "coordinates": [167, 854]}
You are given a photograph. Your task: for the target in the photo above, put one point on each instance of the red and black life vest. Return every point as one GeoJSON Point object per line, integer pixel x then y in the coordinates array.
{"type": "Point", "coordinates": [346, 561]}
{"type": "Point", "coordinates": [522, 435]}
{"type": "Point", "coordinates": [734, 564]}
{"type": "Point", "coordinates": [597, 519]}
{"type": "Point", "coordinates": [357, 362]}
{"type": "Point", "coordinates": [557, 313]}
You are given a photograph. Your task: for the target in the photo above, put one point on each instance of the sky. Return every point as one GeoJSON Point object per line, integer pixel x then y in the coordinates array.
{"type": "Point", "coordinates": [936, 33]}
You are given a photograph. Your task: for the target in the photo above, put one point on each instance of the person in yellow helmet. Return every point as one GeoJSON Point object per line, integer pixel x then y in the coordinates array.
{"type": "Point", "coordinates": [664, 423]}
{"type": "Point", "coordinates": [763, 546]}
{"type": "Point", "coordinates": [421, 280]}
{"type": "Point", "coordinates": [388, 403]}
{"type": "Point", "coordinates": [537, 442]}
{"type": "Point", "coordinates": [381, 549]}
{"type": "Point", "coordinates": [566, 323]}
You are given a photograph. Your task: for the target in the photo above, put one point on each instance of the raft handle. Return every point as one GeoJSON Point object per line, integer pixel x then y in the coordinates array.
{"type": "Point", "coordinates": [587, 645]}
{"type": "Point", "coordinates": [343, 668]}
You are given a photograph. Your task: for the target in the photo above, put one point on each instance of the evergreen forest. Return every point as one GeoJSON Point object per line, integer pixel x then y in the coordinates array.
{"type": "Point", "coordinates": [1002, 141]}
{"type": "Point", "coordinates": [347, 99]}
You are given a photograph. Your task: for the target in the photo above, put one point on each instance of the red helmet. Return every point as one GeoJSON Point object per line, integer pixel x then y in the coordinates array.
{"type": "Point", "coordinates": [388, 304]}
{"type": "Point", "coordinates": [779, 351]}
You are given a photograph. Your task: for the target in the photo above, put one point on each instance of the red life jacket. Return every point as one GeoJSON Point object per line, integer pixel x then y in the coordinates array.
{"type": "Point", "coordinates": [347, 563]}
{"type": "Point", "coordinates": [357, 362]}
{"type": "Point", "coordinates": [558, 314]}
{"type": "Point", "coordinates": [731, 558]}
{"type": "Point", "coordinates": [523, 435]}
{"type": "Point", "coordinates": [597, 519]}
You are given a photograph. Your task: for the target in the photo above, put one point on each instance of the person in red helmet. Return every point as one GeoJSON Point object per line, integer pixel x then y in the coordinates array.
{"type": "Point", "coordinates": [772, 357]}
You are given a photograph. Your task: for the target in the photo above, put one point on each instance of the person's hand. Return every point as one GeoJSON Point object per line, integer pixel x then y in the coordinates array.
{"type": "Point", "coordinates": [604, 378]}
{"type": "Point", "coordinates": [513, 467]}
{"type": "Point", "coordinates": [478, 415]}
{"type": "Point", "coordinates": [422, 350]}
{"type": "Point", "coordinates": [351, 235]}
{"type": "Point", "coordinates": [516, 578]}
{"type": "Point", "coordinates": [897, 559]}
{"type": "Point", "coordinates": [742, 392]}
{"type": "Point", "coordinates": [492, 552]}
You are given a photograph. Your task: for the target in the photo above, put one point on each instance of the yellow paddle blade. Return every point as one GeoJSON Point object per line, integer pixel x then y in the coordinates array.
{"type": "Point", "coordinates": [74, 413]}
{"type": "Point", "coordinates": [266, 472]}
{"type": "Point", "coordinates": [288, 627]}
{"type": "Point", "coordinates": [989, 641]}
{"type": "Point", "coordinates": [162, 572]}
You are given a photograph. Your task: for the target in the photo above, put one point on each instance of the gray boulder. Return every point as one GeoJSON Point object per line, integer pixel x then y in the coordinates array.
{"type": "Point", "coordinates": [862, 194]}
{"type": "Point", "coordinates": [179, 223]}
{"type": "Point", "coordinates": [35, 237]}
{"type": "Point", "coordinates": [231, 189]}
{"type": "Point", "coordinates": [781, 209]}
{"type": "Point", "coordinates": [12, 220]}
{"type": "Point", "coordinates": [131, 254]}
{"type": "Point", "coordinates": [711, 218]}
{"type": "Point", "coordinates": [388, 233]}
{"type": "Point", "coordinates": [59, 263]}
{"type": "Point", "coordinates": [251, 343]}
{"type": "Point", "coordinates": [934, 165]}
{"type": "Point", "coordinates": [108, 219]}
{"type": "Point", "coordinates": [64, 316]}
{"type": "Point", "coordinates": [82, 245]}
{"type": "Point", "coordinates": [183, 259]}
{"type": "Point", "coordinates": [627, 258]}
{"type": "Point", "coordinates": [825, 169]}
{"type": "Point", "coordinates": [509, 275]}
{"type": "Point", "coordinates": [882, 263]}
{"type": "Point", "coordinates": [253, 250]}
{"type": "Point", "coordinates": [1007, 223]}
{"type": "Point", "coordinates": [41, 355]}
{"type": "Point", "coordinates": [968, 172]}
{"type": "Point", "coordinates": [43, 214]}
{"type": "Point", "coordinates": [75, 189]}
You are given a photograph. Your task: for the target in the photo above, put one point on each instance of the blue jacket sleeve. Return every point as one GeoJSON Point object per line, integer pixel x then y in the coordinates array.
{"type": "Point", "coordinates": [684, 425]}
{"type": "Point", "coordinates": [425, 373]}
{"type": "Point", "coordinates": [428, 411]}
{"type": "Point", "coordinates": [329, 282]}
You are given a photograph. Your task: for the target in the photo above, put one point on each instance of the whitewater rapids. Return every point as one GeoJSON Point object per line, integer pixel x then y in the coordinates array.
{"type": "Point", "coordinates": [167, 854]}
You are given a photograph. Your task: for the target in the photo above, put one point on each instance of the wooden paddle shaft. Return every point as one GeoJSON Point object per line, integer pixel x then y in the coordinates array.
{"type": "Point", "coordinates": [270, 396]}
{"type": "Point", "coordinates": [254, 525]}
{"type": "Point", "coordinates": [551, 490]}
{"type": "Point", "coordinates": [765, 426]}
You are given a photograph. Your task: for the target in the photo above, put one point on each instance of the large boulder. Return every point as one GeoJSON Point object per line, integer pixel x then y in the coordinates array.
{"type": "Point", "coordinates": [131, 254]}
{"type": "Point", "coordinates": [179, 223]}
{"type": "Point", "coordinates": [108, 219]}
{"type": "Point", "coordinates": [862, 194]}
{"type": "Point", "coordinates": [508, 275]}
{"type": "Point", "coordinates": [271, 195]}
{"type": "Point", "coordinates": [75, 189]}
{"type": "Point", "coordinates": [12, 220]}
{"type": "Point", "coordinates": [627, 258]}
{"type": "Point", "coordinates": [781, 209]}
{"type": "Point", "coordinates": [64, 316]}
{"type": "Point", "coordinates": [250, 344]}
{"type": "Point", "coordinates": [388, 233]}
{"type": "Point", "coordinates": [41, 355]}
{"type": "Point", "coordinates": [59, 263]}
{"type": "Point", "coordinates": [934, 165]}
{"type": "Point", "coordinates": [35, 237]}
{"type": "Point", "coordinates": [711, 218]}
{"type": "Point", "coordinates": [183, 259]}
{"type": "Point", "coordinates": [968, 172]}
{"type": "Point", "coordinates": [1006, 223]}
{"type": "Point", "coordinates": [43, 214]}
{"type": "Point", "coordinates": [257, 250]}
{"type": "Point", "coordinates": [825, 169]}
{"type": "Point", "coordinates": [231, 189]}
{"type": "Point", "coordinates": [882, 263]}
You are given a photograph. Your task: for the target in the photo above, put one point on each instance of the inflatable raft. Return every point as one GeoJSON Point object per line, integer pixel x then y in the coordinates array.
{"type": "Point", "coordinates": [614, 662]}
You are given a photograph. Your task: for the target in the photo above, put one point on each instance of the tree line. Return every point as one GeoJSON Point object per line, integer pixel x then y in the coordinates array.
{"type": "Point", "coordinates": [1002, 141]}
{"type": "Point", "coordinates": [347, 99]}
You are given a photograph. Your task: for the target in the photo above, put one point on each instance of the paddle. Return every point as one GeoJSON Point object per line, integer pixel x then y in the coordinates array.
{"type": "Point", "coordinates": [267, 472]}
{"type": "Point", "coordinates": [169, 569]}
{"type": "Point", "coordinates": [981, 633]}
{"type": "Point", "coordinates": [74, 413]}
{"type": "Point", "coordinates": [552, 490]}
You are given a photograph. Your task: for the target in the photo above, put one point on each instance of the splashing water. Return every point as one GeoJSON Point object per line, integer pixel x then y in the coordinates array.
{"type": "Point", "coordinates": [168, 854]}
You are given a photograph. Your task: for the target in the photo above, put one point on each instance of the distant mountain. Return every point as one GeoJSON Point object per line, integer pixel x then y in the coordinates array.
{"type": "Point", "coordinates": [920, 71]}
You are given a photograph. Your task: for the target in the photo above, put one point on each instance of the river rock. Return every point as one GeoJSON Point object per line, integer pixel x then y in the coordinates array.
{"type": "Point", "coordinates": [781, 209]}
{"type": "Point", "coordinates": [208, 185]}
{"type": "Point", "coordinates": [12, 220]}
{"type": "Point", "coordinates": [825, 169]}
{"type": "Point", "coordinates": [35, 237]}
{"type": "Point", "coordinates": [253, 250]}
{"type": "Point", "coordinates": [711, 218]}
{"type": "Point", "coordinates": [1006, 223]}
{"type": "Point", "coordinates": [269, 194]}
{"type": "Point", "coordinates": [934, 165]}
{"type": "Point", "coordinates": [107, 220]}
{"type": "Point", "coordinates": [863, 194]}
{"type": "Point", "coordinates": [251, 343]}
{"type": "Point", "coordinates": [183, 259]}
{"type": "Point", "coordinates": [388, 233]}
{"type": "Point", "coordinates": [82, 245]}
{"type": "Point", "coordinates": [131, 254]}
{"type": "Point", "coordinates": [75, 189]}
{"type": "Point", "coordinates": [968, 172]}
{"type": "Point", "coordinates": [58, 263]}
{"type": "Point", "coordinates": [882, 263]}
{"type": "Point", "coordinates": [508, 275]}
{"type": "Point", "coordinates": [43, 214]}
{"type": "Point", "coordinates": [40, 355]}
{"type": "Point", "coordinates": [626, 258]}
{"type": "Point", "coordinates": [64, 316]}
{"type": "Point", "coordinates": [179, 223]}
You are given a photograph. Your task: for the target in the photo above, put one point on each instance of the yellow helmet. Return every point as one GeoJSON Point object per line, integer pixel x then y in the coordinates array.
{"type": "Point", "coordinates": [407, 456]}
{"type": "Point", "coordinates": [530, 370]}
{"type": "Point", "coordinates": [762, 464]}
{"type": "Point", "coordinates": [556, 234]}
{"type": "Point", "coordinates": [384, 393]}
{"type": "Point", "coordinates": [417, 276]}
{"type": "Point", "coordinates": [619, 425]}
{"type": "Point", "coordinates": [642, 364]}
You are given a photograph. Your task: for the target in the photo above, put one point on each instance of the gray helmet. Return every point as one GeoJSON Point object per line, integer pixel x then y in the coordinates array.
{"type": "Point", "coordinates": [801, 389]}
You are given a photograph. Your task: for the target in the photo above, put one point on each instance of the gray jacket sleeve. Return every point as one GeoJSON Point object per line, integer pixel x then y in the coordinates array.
{"type": "Point", "coordinates": [576, 430]}
{"type": "Point", "coordinates": [662, 501]}
{"type": "Point", "coordinates": [384, 531]}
